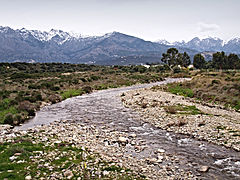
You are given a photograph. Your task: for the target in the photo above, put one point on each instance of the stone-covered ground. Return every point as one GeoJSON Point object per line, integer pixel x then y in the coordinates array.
{"type": "Point", "coordinates": [186, 115]}
{"type": "Point", "coordinates": [66, 150]}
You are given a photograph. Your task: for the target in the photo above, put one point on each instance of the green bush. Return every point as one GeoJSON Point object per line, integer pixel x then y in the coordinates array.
{"type": "Point", "coordinates": [176, 69]}
{"type": "Point", "coordinates": [179, 90]}
{"type": "Point", "coordinates": [20, 75]}
{"type": "Point", "coordinates": [71, 93]}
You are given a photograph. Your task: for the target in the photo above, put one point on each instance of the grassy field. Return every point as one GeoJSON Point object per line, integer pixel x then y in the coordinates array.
{"type": "Point", "coordinates": [215, 87]}
{"type": "Point", "coordinates": [24, 88]}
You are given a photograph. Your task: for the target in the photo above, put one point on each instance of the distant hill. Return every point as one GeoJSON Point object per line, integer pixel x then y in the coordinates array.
{"type": "Point", "coordinates": [59, 46]}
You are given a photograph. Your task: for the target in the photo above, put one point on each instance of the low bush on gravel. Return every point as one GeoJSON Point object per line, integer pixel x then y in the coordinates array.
{"type": "Point", "coordinates": [182, 109]}
{"type": "Point", "coordinates": [179, 90]}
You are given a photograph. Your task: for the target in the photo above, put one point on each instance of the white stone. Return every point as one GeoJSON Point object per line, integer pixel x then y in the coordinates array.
{"type": "Point", "coordinates": [203, 168]}
{"type": "Point", "coordinates": [12, 158]}
{"type": "Point", "coordinates": [122, 139]}
{"type": "Point", "coordinates": [105, 173]}
{"type": "Point", "coordinates": [28, 177]}
{"type": "Point", "coordinates": [161, 150]}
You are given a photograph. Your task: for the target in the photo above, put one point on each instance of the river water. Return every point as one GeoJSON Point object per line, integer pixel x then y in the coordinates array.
{"type": "Point", "coordinates": [105, 108]}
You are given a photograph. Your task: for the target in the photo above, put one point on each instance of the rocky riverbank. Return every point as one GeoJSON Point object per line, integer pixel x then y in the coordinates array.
{"type": "Point", "coordinates": [186, 116]}
{"type": "Point", "coordinates": [104, 153]}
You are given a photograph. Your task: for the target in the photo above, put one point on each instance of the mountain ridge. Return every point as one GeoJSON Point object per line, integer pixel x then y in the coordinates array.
{"type": "Point", "coordinates": [109, 49]}
{"type": "Point", "coordinates": [208, 44]}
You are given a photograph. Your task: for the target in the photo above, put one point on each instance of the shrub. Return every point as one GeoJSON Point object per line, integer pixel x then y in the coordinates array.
{"type": "Point", "coordinates": [55, 88]}
{"type": "Point", "coordinates": [54, 98]}
{"type": "Point", "coordinates": [33, 86]}
{"type": "Point", "coordinates": [27, 106]}
{"type": "Point", "coordinates": [170, 109]}
{"type": "Point", "coordinates": [177, 89]}
{"type": "Point", "coordinates": [215, 81]}
{"type": "Point", "coordinates": [20, 75]}
{"type": "Point", "coordinates": [8, 119]}
{"type": "Point", "coordinates": [83, 79]}
{"type": "Point", "coordinates": [176, 69]}
{"type": "Point", "coordinates": [87, 89]}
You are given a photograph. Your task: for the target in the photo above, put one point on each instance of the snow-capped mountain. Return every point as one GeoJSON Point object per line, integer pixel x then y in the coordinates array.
{"type": "Point", "coordinates": [60, 46]}
{"type": "Point", "coordinates": [111, 48]}
{"type": "Point", "coordinates": [208, 44]}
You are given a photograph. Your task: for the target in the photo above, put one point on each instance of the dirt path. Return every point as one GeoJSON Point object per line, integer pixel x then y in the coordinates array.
{"type": "Point", "coordinates": [155, 152]}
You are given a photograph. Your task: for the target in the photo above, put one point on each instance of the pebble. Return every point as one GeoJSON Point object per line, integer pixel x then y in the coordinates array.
{"type": "Point", "coordinates": [68, 174]}
{"type": "Point", "coordinates": [122, 139]}
{"type": "Point", "coordinates": [161, 151]}
{"type": "Point", "coordinates": [203, 169]}
{"type": "Point", "coordinates": [105, 173]}
{"type": "Point", "coordinates": [28, 177]}
{"type": "Point", "coordinates": [133, 135]}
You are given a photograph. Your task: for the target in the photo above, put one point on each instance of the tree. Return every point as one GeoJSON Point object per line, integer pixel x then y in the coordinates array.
{"type": "Point", "coordinates": [233, 61]}
{"type": "Point", "coordinates": [219, 60]}
{"type": "Point", "coordinates": [170, 57]}
{"type": "Point", "coordinates": [185, 60]}
{"type": "Point", "coordinates": [199, 61]}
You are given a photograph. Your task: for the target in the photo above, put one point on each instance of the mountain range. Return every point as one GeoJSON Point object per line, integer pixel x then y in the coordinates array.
{"type": "Point", "coordinates": [110, 49]}
{"type": "Point", "coordinates": [208, 44]}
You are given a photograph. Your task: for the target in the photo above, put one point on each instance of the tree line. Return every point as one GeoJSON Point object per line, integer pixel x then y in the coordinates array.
{"type": "Point", "coordinates": [220, 60]}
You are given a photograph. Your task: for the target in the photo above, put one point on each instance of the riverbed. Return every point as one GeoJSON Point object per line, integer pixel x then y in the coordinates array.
{"type": "Point", "coordinates": [105, 109]}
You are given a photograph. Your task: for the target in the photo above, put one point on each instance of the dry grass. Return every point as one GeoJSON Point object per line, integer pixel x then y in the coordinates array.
{"type": "Point", "coordinates": [216, 87]}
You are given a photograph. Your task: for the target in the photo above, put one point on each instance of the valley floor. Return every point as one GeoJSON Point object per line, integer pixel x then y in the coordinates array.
{"type": "Point", "coordinates": [95, 137]}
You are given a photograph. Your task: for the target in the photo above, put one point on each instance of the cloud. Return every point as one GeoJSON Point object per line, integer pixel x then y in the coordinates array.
{"type": "Point", "coordinates": [205, 27]}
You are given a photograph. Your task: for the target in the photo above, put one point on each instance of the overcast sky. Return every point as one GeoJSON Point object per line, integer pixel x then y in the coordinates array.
{"type": "Point", "coordinates": [148, 19]}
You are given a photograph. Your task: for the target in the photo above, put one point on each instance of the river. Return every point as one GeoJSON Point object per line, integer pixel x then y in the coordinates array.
{"type": "Point", "coordinates": [105, 108]}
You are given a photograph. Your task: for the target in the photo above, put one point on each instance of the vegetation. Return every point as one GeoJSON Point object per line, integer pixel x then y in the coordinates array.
{"type": "Point", "coordinates": [199, 61]}
{"type": "Point", "coordinates": [182, 109]}
{"type": "Point", "coordinates": [220, 60]}
{"type": "Point", "coordinates": [216, 87]}
{"type": "Point", "coordinates": [174, 58]}
{"type": "Point", "coordinates": [25, 87]}
{"type": "Point", "coordinates": [180, 90]}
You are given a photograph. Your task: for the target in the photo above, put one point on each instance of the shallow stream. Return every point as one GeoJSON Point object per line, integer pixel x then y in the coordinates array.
{"type": "Point", "coordinates": [105, 108]}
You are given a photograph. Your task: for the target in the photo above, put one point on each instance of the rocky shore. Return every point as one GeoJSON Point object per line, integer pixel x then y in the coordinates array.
{"type": "Point", "coordinates": [186, 116]}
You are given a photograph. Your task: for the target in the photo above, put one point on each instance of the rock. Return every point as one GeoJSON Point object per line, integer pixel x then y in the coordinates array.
{"type": "Point", "coordinates": [203, 168]}
{"type": "Point", "coordinates": [5, 127]}
{"type": "Point", "coordinates": [68, 174]}
{"type": "Point", "coordinates": [28, 177]}
{"type": "Point", "coordinates": [133, 135]}
{"type": "Point", "coordinates": [151, 160]}
{"type": "Point", "coordinates": [12, 158]}
{"type": "Point", "coordinates": [122, 139]}
{"type": "Point", "coordinates": [161, 151]}
{"type": "Point", "coordinates": [58, 142]}
{"type": "Point", "coordinates": [160, 157]}
{"type": "Point", "coordinates": [105, 173]}
{"type": "Point", "coordinates": [20, 161]}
